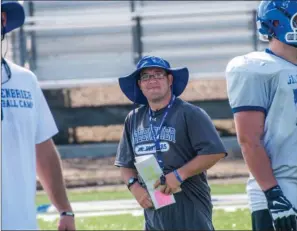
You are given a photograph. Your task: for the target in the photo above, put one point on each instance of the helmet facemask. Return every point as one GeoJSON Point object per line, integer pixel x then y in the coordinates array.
{"type": "Point", "coordinates": [291, 37]}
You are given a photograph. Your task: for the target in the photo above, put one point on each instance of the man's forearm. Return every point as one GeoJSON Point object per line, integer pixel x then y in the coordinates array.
{"type": "Point", "coordinates": [199, 164]}
{"type": "Point", "coordinates": [259, 165]}
{"type": "Point", "coordinates": [126, 174]}
{"type": "Point", "coordinates": [49, 171]}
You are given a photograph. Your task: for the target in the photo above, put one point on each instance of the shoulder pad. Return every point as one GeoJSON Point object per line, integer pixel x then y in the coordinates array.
{"type": "Point", "coordinates": [255, 62]}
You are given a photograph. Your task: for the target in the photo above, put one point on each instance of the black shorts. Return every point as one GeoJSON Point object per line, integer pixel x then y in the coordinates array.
{"type": "Point", "coordinates": [262, 220]}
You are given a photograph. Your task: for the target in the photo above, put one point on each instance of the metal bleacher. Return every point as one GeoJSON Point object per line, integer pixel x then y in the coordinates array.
{"type": "Point", "coordinates": [96, 39]}
{"type": "Point", "coordinates": [70, 44]}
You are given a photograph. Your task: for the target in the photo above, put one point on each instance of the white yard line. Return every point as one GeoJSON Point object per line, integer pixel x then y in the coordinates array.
{"type": "Point", "coordinates": [114, 205]}
{"type": "Point", "coordinates": [133, 212]}
{"type": "Point", "coordinates": [228, 203]}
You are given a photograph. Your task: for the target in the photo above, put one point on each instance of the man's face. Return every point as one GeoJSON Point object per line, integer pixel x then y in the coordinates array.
{"type": "Point", "coordinates": [155, 83]}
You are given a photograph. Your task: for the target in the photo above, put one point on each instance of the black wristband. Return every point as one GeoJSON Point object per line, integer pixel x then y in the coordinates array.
{"type": "Point", "coordinates": [273, 192]}
{"type": "Point", "coordinates": [69, 214]}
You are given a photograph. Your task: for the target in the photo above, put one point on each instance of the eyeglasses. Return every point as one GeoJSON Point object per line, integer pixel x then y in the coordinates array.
{"type": "Point", "coordinates": [157, 75]}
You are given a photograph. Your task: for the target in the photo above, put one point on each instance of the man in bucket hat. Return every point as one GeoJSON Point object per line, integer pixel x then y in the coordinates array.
{"type": "Point", "coordinates": [185, 140]}
{"type": "Point", "coordinates": [27, 130]}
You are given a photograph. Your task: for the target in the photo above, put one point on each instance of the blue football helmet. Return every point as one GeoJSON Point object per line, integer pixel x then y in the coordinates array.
{"type": "Point", "coordinates": [278, 19]}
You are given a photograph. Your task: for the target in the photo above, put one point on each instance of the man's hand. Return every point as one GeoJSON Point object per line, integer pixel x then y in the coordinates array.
{"type": "Point", "coordinates": [283, 213]}
{"type": "Point", "coordinates": [66, 223]}
{"type": "Point", "coordinates": [172, 184]}
{"type": "Point", "coordinates": [141, 195]}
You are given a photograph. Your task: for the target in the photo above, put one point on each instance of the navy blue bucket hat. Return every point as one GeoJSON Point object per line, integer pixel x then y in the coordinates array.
{"type": "Point", "coordinates": [15, 15]}
{"type": "Point", "coordinates": [129, 85]}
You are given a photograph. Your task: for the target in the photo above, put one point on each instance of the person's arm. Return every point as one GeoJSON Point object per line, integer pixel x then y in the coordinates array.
{"type": "Point", "coordinates": [207, 148]}
{"type": "Point", "coordinates": [48, 163]}
{"type": "Point", "coordinates": [49, 171]}
{"type": "Point", "coordinates": [250, 129]}
{"type": "Point", "coordinates": [140, 194]}
{"type": "Point", "coordinates": [249, 91]}
{"type": "Point", "coordinates": [125, 161]}
{"type": "Point", "coordinates": [127, 173]}
{"type": "Point", "coordinates": [206, 142]}
{"type": "Point", "coordinates": [199, 164]}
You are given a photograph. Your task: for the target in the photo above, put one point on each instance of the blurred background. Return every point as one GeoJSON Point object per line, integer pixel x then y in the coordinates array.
{"type": "Point", "coordinates": [80, 40]}
{"type": "Point", "coordinates": [79, 49]}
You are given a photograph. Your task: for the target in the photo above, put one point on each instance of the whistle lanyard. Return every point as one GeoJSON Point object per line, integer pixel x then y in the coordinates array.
{"type": "Point", "coordinates": [8, 72]}
{"type": "Point", "coordinates": [156, 134]}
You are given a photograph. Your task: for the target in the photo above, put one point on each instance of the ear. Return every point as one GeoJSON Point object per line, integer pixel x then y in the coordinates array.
{"type": "Point", "coordinates": [275, 23]}
{"type": "Point", "coordinates": [170, 79]}
{"type": "Point", "coordinates": [139, 84]}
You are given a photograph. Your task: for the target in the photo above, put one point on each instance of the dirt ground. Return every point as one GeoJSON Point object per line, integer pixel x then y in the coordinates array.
{"type": "Point", "coordinates": [110, 94]}
{"type": "Point", "coordinates": [101, 172]}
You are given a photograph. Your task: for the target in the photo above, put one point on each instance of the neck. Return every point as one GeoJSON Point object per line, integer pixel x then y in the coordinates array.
{"type": "Point", "coordinates": [285, 51]}
{"type": "Point", "coordinates": [159, 104]}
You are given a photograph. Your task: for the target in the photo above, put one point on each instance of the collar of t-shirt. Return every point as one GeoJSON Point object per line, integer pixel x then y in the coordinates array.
{"type": "Point", "coordinates": [162, 110]}
{"type": "Point", "coordinates": [272, 53]}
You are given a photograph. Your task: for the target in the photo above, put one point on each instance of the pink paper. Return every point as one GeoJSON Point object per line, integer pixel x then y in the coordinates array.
{"type": "Point", "coordinates": [162, 199]}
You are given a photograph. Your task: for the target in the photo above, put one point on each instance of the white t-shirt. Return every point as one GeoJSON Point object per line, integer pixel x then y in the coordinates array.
{"type": "Point", "coordinates": [264, 82]}
{"type": "Point", "coordinates": [27, 121]}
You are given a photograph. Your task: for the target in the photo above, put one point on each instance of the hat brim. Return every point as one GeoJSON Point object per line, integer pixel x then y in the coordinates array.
{"type": "Point", "coordinates": [15, 15]}
{"type": "Point", "coordinates": [130, 88]}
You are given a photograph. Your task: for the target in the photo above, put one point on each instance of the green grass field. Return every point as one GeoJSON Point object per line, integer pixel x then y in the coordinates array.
{"type": "Point", "coordinates": [106, 195]}
{"type": "Point", "coordinates": [238, 220]}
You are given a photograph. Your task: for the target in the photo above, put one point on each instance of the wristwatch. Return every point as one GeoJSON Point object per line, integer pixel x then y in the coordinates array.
{"type": "Point", "coordinates": [65, 213]}
{"type": "Point", "coordinates": [131, 181]}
